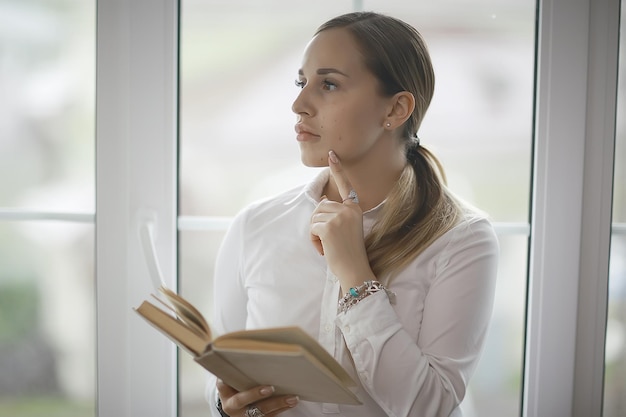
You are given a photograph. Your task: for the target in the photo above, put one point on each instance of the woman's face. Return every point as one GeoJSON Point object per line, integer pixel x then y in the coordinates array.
{"type": "Point", "coordinates": [339, 106]}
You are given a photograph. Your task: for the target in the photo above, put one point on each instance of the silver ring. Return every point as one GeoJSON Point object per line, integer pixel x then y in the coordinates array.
{"type": "Point", "coordinates": [352, 196]}
{"type": "Point", "coordinates": [253, 411]}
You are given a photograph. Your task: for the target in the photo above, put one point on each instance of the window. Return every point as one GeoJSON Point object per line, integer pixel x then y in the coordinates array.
{"type": "Point", "coordinates": [47, 192]}
{"type": "Point", "coordinates": [136, 130]}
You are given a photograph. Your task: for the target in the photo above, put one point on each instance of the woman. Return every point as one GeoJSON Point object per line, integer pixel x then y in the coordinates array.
{"type": "Point", "coordinates": [375, 257]}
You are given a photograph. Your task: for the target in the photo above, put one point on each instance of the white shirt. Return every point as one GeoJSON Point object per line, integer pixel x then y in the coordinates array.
{"type": "Point", "coordinates": [412, 358]}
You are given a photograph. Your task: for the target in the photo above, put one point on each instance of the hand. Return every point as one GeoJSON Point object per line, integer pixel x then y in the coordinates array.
{"type": "Point", "coordinates": [337, 232]}
{"type": "Point", "coordinates": [235, 403]}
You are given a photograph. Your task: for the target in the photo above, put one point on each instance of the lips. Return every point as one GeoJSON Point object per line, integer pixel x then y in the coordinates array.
{"type": "Point", "coordinates": [305, 133]}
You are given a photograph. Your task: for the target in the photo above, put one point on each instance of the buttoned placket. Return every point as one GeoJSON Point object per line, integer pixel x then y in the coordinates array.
{"type": "Point", "coordinates": [329, 312]}
{"type": "Point", "coordinates": [328, 331]}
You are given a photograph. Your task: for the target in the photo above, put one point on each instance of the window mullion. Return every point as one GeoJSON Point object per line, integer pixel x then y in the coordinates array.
{"type": "Point", "coordinates": [557, 206]}
{"type": "Point", "coordinates": [135, 183]}
{"type": "Point", "coordinates": [597, 206]}
{"type": "Point", "coordinates": [570, 232]}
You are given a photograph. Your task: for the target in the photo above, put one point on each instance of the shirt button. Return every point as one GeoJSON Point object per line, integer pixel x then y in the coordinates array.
{"type": "Point", "coordinates": [328, 328]}
{"type": "Point", "coordinates": [346, 329]}
{"type": "Point", "coordinates": [363, 376]}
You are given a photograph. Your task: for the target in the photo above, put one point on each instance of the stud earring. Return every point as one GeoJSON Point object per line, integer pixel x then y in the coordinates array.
{"type": "Point", "coordinates": [388, 124]}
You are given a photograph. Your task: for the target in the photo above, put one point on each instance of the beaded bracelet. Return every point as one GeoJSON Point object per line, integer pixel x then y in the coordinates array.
{"type": "Point", "coordinates": [356, 294]}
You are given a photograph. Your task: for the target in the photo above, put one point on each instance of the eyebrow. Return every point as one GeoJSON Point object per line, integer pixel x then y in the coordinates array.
{"type": "Point", "coordinates": [325, 71]}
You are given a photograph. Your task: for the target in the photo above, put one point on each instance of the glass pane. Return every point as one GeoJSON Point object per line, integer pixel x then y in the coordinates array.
{"type": "Point", "coordinates": [47, 104]}
{"type": "Point", "coordinates": [249, 79]}
{"type": "Point", "coordinates": [615, 354]}
{"type": "Point", "coordinates": [495, 388]}
{"type": "Point", "coordinates": [47, 319]}
{"type": "Point", "coordinates": [237, 140]}
{"type": "Point", "coordinates": [47, 308]}
{"type": "Point", "coordinates": [615, 351]}
{"type": "Point", "coordinates": [197, 254]}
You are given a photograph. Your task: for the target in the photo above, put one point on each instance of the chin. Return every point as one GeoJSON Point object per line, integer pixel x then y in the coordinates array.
{"type": "Point", "coordinates": [314, 161]}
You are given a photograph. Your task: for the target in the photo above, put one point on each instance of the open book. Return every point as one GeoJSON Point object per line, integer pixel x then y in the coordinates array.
{"type": "Point", "coordinates": [287, 357]}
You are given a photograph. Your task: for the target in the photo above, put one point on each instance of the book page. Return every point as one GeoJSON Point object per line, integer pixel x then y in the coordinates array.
{"type": "Point", "coordinates": [177, 330]}
{"type": "Point", "coordinates": [187, 312]}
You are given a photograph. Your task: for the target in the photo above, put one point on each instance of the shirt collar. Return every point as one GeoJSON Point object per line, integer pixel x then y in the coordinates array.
{"type": "Point", "coordinates": [313, 191]}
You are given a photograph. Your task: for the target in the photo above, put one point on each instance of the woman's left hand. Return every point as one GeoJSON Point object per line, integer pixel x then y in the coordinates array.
{"type": "Point", "coordinates": [337, 231]}
{"type": "Point", "coordinates": [235, 403]}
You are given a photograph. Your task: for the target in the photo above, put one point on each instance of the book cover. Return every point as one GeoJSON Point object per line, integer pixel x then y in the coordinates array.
{"type": "Point", "coordinates": [287, 357]}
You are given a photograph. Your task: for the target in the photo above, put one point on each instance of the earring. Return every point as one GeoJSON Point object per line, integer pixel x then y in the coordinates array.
{"type": "Point", "coordinates": [388, 124]}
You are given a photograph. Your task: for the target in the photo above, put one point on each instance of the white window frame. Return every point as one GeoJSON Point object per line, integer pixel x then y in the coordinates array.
{"type": "Point", "coordinates": [136, 133]}
{"type": "Point", "coordinates": [136, 175]}
{"type": "Point", "coordinates": [571, 211]}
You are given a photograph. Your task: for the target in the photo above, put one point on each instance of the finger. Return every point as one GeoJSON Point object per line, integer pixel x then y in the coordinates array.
{"type": "Point", "coordinates": [276, 405]}
{"type": "Point", "coordinates": [341, 179]}
{"type": "Point", "coordinates": [316, 229]}
{"type": "Point", "coordinates": [317, 243]}
{"type": "Point", "coordinates": [225, 391]}
{"type": "Point", "coordinates": [315, 239]}
{"type": "Point", "coordinates": [232, 404]}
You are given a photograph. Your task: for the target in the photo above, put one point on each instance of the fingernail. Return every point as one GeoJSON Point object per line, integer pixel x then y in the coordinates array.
{"type": "Point", "coordinates": [292, 401]}
{"type": "Point", "coordinates": [267, 390]}
{"type": "Point", "coordinates": [323, 197]}
{"type": "Point", "coordinates": [333, 157]}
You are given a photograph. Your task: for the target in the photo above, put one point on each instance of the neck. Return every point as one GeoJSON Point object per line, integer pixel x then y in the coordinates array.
{"type": "Point", "coordinates": [371, 177]}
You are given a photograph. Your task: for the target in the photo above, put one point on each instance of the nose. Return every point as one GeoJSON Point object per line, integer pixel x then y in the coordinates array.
{"type": "Point", "coordinates": [301, 104]}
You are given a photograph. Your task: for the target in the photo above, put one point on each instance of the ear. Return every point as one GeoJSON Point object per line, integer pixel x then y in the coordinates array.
{"type": "Point", "coordinates": [401, 108]}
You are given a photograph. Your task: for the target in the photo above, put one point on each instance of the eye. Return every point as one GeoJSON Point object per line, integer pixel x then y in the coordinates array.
{"type": "Point", "coordinates": [329, 85]}
{"type": "Point", "coordinates": [300, 83]}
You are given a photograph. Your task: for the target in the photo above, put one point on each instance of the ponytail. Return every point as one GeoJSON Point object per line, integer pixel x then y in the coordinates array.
{"type": "Point", "coordinates": [419, 209]}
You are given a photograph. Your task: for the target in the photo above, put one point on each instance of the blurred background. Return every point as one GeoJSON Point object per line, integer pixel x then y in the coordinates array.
{"type": "Point", "coordinates": [47, 142]}
{"type": "Point", "coordinates": [238, 63]}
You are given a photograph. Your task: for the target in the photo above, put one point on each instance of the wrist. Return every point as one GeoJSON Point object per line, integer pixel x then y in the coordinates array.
{"type": "Point", "coordinates": [219, 408]}
{"type": "Point", "coordinates": [356, 281]}
{"type": "Point", "coordinates": [354, 295]}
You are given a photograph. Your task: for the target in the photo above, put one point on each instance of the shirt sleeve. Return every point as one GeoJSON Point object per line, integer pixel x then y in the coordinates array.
{"type": "Point", "coordinates": [428, 376]}
{"type": "Point", "coordinates": [229, 295]}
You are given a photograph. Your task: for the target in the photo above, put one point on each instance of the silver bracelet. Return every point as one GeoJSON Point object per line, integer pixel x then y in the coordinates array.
{"type": "Point", "coordinates": [356, 294]}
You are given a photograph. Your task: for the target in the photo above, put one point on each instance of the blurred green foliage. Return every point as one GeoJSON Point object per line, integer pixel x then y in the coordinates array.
{"type": "Point", "coordinates": [18, 310]}
{"type": "Point", "coordinates": [44, 407]}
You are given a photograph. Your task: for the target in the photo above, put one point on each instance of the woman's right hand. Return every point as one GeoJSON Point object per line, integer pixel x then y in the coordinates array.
{"type": "Point", "coordinates": [236, 403]}
{"type": "Point", "coordinates": [337, 231]}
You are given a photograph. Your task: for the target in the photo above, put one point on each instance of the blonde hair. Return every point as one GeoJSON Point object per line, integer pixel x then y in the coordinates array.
{"type": "Point", "coordinates": [420, 208]}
